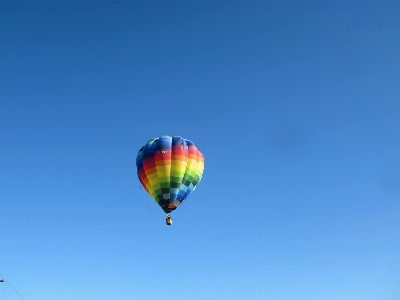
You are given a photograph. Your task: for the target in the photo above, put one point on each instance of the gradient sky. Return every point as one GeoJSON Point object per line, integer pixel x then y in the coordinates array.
{"type": "Point", "coordinates": [295, 106]}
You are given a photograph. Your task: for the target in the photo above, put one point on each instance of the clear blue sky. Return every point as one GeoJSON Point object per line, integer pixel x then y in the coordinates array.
{"type": "Point", "coordinates": [295, 106]}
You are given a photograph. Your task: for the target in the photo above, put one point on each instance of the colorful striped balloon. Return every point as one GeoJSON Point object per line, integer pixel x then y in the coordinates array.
{"type": "Point", "coordinates": [169, 168]}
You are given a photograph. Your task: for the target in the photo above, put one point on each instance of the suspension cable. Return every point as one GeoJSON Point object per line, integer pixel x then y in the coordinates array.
{"type": "Point", "coordinates": [12, 288]}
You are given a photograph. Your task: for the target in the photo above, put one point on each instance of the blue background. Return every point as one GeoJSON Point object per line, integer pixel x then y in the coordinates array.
{"type": "Point", "coordinates": [295, 106]}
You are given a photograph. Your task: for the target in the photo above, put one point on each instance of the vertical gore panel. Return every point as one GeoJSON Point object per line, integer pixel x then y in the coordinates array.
{"type": "Point", "coordinates": [162, 158]}
{"type": "Point", "coordinates": [179, 160]}
{"type": "Point", "coordinates": [150, 170]}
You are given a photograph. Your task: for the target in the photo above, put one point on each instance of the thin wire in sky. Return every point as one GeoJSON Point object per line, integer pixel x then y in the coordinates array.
{"type": "Point", "coordinates": [12, 288]}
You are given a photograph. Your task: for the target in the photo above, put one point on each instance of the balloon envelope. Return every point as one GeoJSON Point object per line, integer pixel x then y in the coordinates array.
{"type": "Point", "coordinates": [169, 168]}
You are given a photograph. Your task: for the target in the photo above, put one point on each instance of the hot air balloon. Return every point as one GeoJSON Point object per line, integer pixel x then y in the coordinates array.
{"type": "Point", "coordinates": [169, 168]}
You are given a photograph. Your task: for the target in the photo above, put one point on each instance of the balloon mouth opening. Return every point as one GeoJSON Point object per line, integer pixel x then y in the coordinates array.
{"type": "Point", "coordinates": [169, 207]}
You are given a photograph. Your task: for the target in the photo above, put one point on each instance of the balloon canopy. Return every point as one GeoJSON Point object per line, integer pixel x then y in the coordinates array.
{"type": "Point", "coordinates": [169, 168]}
